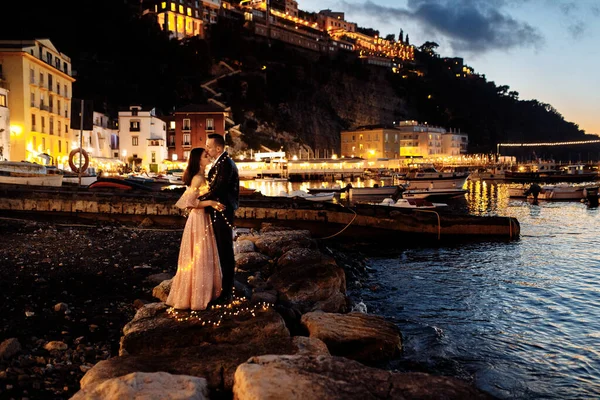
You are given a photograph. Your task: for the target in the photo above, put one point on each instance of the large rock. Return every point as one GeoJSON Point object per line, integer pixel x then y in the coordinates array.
{"type": "Point", "coordinates": [251, 261]}
{"type": "Point", "coordinates": [188, 348]}
{"type": "Point", "coordinates": [323, 377]}
{"type": "Point", "coordinates": [299, 257]}
{"type": "Point", "coordinates": [312, 287]}
{"type": "Point", "coordinates": [243, 246]}
{"type": "Point", "coordinates": [150, 333]}
{"type": "Point", "coordinates": [366, 338]}
{"type": "Point", "coordinates": [276, 243]}
{"type": "Point", "coordinates": [143, 385]}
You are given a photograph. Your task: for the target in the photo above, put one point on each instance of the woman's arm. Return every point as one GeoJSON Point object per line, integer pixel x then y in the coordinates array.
{"type": "Point", "coordinates": [211, 203]}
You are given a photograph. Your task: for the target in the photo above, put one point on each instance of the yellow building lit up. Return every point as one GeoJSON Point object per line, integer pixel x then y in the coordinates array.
{"type": "Point", "coordinates": [40, 81]}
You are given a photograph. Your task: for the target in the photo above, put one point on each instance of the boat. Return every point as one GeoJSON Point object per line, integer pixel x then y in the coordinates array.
{"type": "Point", "coordinates": [562, 191]}
{"type": "Point", "coordinates": [549, 172]}
{"type": "Point", "coordinates": [491, 173]}
{"type": "Point", "coordinates": [411, 203]}
{"type": "Point", "coordinates": [307, 196]}
{"type": "Point", "coordinates": [427, 176]}
{"type": "Point", "coordinates": [433, 193]}
{"type": "Point", "coordinates": [335, 189]}
{"type": "Point", "coordinates": [26, 173]}
{"type": "Point", "coordinates": [118, 184]}
{"type": "Point", "coordinates": [375, 191]}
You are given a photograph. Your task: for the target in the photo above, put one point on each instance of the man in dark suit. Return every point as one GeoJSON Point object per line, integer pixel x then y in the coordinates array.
{"type": "Point", "coordinates": [224, 187]}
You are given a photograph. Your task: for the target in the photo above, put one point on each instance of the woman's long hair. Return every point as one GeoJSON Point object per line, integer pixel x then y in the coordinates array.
{"type": "Point", "coordinates": [193, 166]}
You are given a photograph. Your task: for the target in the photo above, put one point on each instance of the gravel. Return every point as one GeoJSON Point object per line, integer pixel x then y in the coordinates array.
{"type": "Point", "coordinates": [67, 290]}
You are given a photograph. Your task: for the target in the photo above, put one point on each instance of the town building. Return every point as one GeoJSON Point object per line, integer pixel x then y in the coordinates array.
{"type": "Point", "coordinates": [40, 80]}
{"type": "Point", "coordinates": [371, 142]}
{"type": "Point", "coordinates": [4, 121]}
{"type": "Point", "coordinates": [334, 21]}
{"type": "Point", "coordinates": [455, 143]}
{"type": "Point", "coordinates": [407, 139]}
{"type": "Point", "coordinates": [182, 18]}
{"type": "Point", "coordinates": [142, 139]}
{"type": "Point", "coordinates": [193, 123]}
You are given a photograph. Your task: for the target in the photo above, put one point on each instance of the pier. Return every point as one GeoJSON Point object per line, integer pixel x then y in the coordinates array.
{"type": "Point", "coordinates": [323, 220]}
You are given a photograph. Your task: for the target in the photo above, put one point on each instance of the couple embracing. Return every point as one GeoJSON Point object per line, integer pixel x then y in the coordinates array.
{"type": "Point", "coordinates": [206, 263]}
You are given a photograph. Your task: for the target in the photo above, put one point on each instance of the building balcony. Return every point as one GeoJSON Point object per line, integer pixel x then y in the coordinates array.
{"type": "Point", "coordinates": [186, 144]}
{"type": "Point", "coordinates": [33, 82]}
{"type": "Point", "coordinates": [43, 86]}
{"type": "Point", "coordinates": [34, 128]}
{"type": "Point", "coordinates": [187, 128]}
{"type": "Point", "coordinates": [44, 107]}
{"type": "Point", "coordinates": [210, 129]}
{"type": "Point", "coordinates": [33, 105]}
{"type": "Point", "coordinates": [134, 129]}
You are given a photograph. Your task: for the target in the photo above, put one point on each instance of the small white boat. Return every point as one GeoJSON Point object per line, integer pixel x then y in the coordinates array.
{"type": "Point", "coordinates": [561, 191]}
{"type": "Point", "coordinates": [427, 177]}
{"type": "Point", "coordinates": [412, 203]}
{"type": "Point", "coordinates": [26, 173]}
{"type": "Point", "coordinates": [307, 196]}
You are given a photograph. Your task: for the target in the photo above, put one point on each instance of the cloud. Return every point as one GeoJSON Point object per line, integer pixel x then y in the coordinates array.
{"type": "Point", "coordinates": [468, 25]}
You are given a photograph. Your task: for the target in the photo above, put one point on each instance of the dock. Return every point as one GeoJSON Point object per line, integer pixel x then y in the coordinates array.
{"type": "Point", "coordinates": [323, 220]}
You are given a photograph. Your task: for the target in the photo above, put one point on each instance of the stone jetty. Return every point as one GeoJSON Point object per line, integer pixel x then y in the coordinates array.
{"type": "Point", "coordinates": [289, 334]}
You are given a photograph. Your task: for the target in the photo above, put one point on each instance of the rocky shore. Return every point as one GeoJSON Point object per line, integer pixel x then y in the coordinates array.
{"type": "Point", "coordinates": [84, 318]}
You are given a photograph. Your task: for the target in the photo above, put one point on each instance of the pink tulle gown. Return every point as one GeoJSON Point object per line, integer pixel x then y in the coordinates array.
{"type": "Point", "coordinates": [198, 279]}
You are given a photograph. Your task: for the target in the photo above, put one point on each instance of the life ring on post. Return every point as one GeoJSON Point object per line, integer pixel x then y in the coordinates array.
{"type": "Point", "coordinates": [86, 160]}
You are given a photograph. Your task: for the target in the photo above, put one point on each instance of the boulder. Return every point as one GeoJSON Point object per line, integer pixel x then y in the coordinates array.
{"type": "Point", "coordinates": [332, 378]}
{"type": "Point", "coordinates": [276, 243]}
{"type": "Point", "coordinates": [369, 339]}
{"type": "Point", "coordinates": [299, 257]}
{"type": "Point", "coordinates": [156, 279]}
{"type": "Point", "coordinates": [143, 385]}
{"type": "Point", "coordinates": [243, 246]}
{"type": "Point", "coordinates": [312, 287]}
{"type": "Point", "coordinates": [156, 333]}
{"type": "Point", "coordinates": [251, 261]}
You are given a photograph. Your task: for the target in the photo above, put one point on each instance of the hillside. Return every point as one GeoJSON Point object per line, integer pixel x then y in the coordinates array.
{"type": "Point", "coordinates": [284, 97]}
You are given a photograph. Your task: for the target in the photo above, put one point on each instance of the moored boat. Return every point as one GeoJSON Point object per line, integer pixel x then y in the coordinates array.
{"type": "Point", "coordinates": [426, 177]}
{"type": "Point", "coordinates": [26, 173]}
{"type": "Point", "coordinates": [562, 191]}
{"type": "Point", "coordinates": [433, 193]}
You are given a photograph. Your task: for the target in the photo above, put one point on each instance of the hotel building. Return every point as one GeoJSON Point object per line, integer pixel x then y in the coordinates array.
{"type": "Point", "coordinates": [40, 81]}
{"type": "Point", "coordinates": [371, 142]}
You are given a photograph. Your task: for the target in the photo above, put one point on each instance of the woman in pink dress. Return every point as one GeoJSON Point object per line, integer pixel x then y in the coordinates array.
{"type": "Point", "coordinates": [198, 278]}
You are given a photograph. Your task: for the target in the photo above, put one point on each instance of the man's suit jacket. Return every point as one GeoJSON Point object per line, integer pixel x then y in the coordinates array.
{"type": "Point", "coordinates": [224, 185]}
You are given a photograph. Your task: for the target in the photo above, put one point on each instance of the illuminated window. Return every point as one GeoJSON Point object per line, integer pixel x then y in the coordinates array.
{"type": "Point", "coordinates": [186, 155]}
{"type": "Point", "coordinates": [360, 146]}
{"type": "Point", "coordinates": [210, 124]}
{"type": "Point", "coordinates": [189, 12]}
{"type": "Point", "coordinates": [153, 156]}
{"type": "Point", "coordinates": [135, 140]}
{"type": "Point", "coordinates": [180, 9]}
{"type": "Point", "coordinates": [2, 100]}
{"type": "Point", "coordinates": [187, 124]}
{"type": "Point", "coordinates": [186, 139]}
{"type": "Point", "coordinates": [163, 5]}
{"type": "Point", "coordinates": [173, 7]}
{"type": "Point", "coordinates": [172, 125]}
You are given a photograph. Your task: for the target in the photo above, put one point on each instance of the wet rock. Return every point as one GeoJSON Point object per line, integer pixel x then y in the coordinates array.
{"type": "Point", "coordinates": [243, 246]}
{"type": "Point", "coordinates": [274, 244]}
{"type": "Point", "coordinates": [251, 261]}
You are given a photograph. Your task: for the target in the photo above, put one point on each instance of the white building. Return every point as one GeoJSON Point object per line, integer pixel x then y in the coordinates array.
{"type": "Point", "coordinates": [420, 140]}
{"type": "Point", "coordinates": [4, 122]}
{"type": "Point", "coordinates": [142, 138]}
